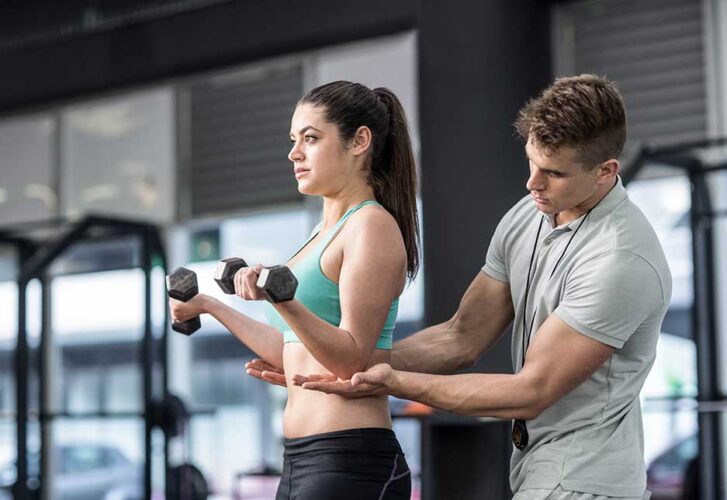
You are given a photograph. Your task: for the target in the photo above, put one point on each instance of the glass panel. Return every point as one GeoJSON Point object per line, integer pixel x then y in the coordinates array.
{"type": "Point", "coordinates": [719, 225]}
{"type": "Point", "coordinates": [8, 341]}
{"type": "Point", "coordinates": [97, 323]}
{"type": "Point", "coordinates": [97, 458]}
{"type": "Point", "coordinates": [117, 156]}
{"type": "Point", "coordinates": [718, 187]}
{"type": "Point", "coordinates": [110, 302]}
{"type": "Point", "coordinates": [7, 455]}
{"type": "Point", "coordinates": [666, 203]}
{"type": "Point", "coordinates": [408, 432]}
{"type": "Point", "coordinates": [27, 186]}
{"type": "Point", "coordinates": [720, 272]}
{"type": "Point", "coordinates": [671, 444]}
{"type": "Point", "coordinates": [8, 314]}
{"type": "Point", "coordinates": [227, 448]}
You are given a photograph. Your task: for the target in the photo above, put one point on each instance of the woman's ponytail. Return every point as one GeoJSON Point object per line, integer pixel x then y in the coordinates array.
{"type": "Point", "coordinates": [394, 178]}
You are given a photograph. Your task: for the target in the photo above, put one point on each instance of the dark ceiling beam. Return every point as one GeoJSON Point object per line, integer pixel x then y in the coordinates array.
{"type": "Point", "coordinates": [223, 35]}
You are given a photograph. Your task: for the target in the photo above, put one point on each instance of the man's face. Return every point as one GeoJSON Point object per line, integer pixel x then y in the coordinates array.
{"type": "Point", "coordinates": [558, 183]}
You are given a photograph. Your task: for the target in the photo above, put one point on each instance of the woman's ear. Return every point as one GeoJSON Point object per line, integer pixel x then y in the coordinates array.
{"type": "Point", "coordinates": [361, 142]}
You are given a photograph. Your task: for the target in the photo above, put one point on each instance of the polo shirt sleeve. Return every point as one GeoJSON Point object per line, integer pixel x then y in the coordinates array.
{"type": "Point", "coordinates": [608, 297]}
{"type": "Point", "coordinates": [495, 262]}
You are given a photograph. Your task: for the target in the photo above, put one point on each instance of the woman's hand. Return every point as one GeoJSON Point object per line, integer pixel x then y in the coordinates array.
{"type": "Point", "coordinates": [246, 283]}
{"type": "Point", "coordinates": [266, 372]}
{"type": "Point", "coordinates": [183, 311]}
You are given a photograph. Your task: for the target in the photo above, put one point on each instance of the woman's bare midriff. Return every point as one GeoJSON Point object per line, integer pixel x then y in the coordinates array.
{"type": "Point", "coordinates": [311, 412]}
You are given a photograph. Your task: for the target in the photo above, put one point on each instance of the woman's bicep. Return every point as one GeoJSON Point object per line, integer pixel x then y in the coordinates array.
{"type": "Point", "coordinates": [373, 272]}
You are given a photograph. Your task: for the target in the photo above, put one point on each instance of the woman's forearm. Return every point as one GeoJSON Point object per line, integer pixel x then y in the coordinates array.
{"type": "Point", "coordinates": [262, 339]}
{"type": "Point", "coordinates": [333, 347]}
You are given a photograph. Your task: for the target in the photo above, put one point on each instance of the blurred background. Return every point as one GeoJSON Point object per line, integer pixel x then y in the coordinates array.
{"type": "Point", "coordinates": [136, 137]}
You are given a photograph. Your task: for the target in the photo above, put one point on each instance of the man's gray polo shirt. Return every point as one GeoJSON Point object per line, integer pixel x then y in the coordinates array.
{"type": "Point", "coordinates": [613, 285]}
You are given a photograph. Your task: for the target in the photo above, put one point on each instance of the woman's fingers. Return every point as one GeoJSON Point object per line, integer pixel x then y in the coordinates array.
{"type": "Point", "coordinates": [246, 283]}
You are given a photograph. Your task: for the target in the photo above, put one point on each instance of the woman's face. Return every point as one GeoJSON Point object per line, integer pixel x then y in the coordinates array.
{"type": "Point", "coordinates": [321, 164]}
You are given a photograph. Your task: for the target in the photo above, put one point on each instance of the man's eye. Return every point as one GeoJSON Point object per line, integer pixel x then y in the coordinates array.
{"type": "Point", "coordinates": [555, 175]}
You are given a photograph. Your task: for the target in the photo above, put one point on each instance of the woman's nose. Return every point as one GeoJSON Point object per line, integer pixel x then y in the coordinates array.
{"type": "Point", "coordinates": [295, 153]}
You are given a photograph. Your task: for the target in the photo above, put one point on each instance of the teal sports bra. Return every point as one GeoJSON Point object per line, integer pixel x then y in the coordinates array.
{"type": "Point", "coordinates": [321, 295]}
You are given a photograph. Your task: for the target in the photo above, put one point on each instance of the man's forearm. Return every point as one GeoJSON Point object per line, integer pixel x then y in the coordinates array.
{"type": "Point", "coordinates": [444, 348]}
{"type": "Point", "coordinates": [437, 349]}
{"type": "Point", "coordinates": [480, 320]}
{"type": "Point", "coordinates": [481, 395]}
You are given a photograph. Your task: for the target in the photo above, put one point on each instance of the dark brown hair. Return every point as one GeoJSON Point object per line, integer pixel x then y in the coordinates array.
{"type": "Point", "coordinates": [392, 170]}
{"type": "Point", "coordinates": [585, 112]}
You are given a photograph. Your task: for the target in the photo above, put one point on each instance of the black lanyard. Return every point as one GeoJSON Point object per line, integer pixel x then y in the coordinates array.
{"type": "Point", "coordinates": [526, 336]}
{"type": "Point", "coordinates": [520, 436]}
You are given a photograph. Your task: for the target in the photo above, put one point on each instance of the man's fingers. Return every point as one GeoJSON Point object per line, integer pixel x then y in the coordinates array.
{"type": "Point", "coordinates": [327, 387]}
{"type": "Point", "coordinates": [301, 379]}
{"type": "Point", "coordinates": [358, 378]}
{"type": "Point", "coordinates": [322, 378]}
{"type": "Point", "coordinates": [343, 388]}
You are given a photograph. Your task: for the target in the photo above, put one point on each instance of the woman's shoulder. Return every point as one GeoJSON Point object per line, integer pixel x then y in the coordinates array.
{"type": "Point", "coordinates": [373, 218]}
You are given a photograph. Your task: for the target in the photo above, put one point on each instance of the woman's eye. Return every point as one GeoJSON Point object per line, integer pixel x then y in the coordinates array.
{"type": "Point", "coordinates": [310, 138]}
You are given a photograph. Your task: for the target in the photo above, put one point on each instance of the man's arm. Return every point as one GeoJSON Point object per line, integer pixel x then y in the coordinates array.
{"type": "Point", "coordinates": [483, 314]}
{"type": "Point", "coordinates": [558, 360]}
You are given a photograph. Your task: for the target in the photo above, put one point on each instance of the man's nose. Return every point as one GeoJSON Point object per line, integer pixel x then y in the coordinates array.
{"type": "Point", "coordinates": [536, 181]}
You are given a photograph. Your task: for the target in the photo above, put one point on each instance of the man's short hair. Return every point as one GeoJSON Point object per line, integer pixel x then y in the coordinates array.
{"type": "Point", "coordinates": [584, 112]}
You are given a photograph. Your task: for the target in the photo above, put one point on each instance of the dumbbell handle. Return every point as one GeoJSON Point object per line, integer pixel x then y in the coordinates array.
{"type": "Point", "coordinates": [227, 268]}
{"type": "Point", "coordinates": [173, 286]}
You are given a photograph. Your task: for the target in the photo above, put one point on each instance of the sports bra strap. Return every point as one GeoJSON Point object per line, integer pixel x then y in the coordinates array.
{"type": "Point", "coordinates": [339, 225]}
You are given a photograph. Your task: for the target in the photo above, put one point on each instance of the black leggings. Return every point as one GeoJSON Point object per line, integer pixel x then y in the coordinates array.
{"type": "Point", "coordinates": [356, 464]}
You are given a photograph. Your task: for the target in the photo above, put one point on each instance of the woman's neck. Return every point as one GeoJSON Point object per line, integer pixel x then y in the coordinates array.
{"type": "Point", "coordinates": [335, 207]}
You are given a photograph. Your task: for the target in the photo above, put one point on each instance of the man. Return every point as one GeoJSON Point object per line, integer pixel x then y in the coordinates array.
{"type": "Point", "coordinates": [578, 270]}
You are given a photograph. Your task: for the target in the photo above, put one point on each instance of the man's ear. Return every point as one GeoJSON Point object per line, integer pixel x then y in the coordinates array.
{"type": "Point", "coordinates": [361, 141]}
{"type": "Point", "coordinates": [607, 171]}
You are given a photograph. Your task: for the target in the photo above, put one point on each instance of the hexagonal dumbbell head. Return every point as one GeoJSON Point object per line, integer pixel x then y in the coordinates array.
{"type": "Point", "coordinates": [225, 273]}
{"type": "Point", "coordinates": [278, 282]}
{"type": "Point", "coordinates": [182, 285]}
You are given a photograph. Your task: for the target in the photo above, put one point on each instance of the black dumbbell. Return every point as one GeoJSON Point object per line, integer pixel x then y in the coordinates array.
{"type": "Point", "coordinates": [182, 285]}
{"type": "Point", "coordinates": [225, 273]}
{"type": "Point", "coordinates": [278, 282]}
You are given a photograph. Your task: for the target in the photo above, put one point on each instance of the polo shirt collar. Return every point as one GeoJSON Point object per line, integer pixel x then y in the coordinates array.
{"type": "Point", "coordinates": [609, 202]}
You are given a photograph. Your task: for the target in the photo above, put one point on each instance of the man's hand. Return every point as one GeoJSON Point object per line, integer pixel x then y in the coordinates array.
{"type": "Point", "coordinates": [375, 381]}
{"type": "Point", "coordinates": [266, 372]}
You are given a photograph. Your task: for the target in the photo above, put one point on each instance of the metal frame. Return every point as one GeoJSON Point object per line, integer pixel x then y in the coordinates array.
{"type": "Point", "coordinates": [34, 259]}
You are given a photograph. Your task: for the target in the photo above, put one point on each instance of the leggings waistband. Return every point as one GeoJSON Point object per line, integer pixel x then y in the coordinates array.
{"type": "Point", "coordinates": [368, 440]}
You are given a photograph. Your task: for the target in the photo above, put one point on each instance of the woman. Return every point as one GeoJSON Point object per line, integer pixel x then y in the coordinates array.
{"type": "Point", "coordinates": [351, 146]}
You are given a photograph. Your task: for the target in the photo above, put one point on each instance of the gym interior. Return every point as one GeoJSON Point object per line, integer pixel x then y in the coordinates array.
{"type": "Point", "coordinates": [137, 137]}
